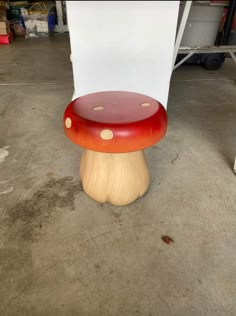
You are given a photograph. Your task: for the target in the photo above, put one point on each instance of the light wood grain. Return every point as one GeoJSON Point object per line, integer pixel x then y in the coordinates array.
{"type": "Point", "coordinates": [118, 178]}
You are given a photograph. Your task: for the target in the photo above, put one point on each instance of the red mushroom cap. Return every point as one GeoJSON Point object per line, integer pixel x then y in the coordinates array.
{"type": "Point", "coordinates": [115, 121]}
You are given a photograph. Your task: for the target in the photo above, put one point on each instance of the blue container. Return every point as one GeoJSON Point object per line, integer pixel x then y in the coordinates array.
{"type": "Point", "coordinates": [51, 21]}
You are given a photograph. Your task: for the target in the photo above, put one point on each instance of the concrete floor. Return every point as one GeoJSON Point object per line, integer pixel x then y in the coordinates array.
{"type": "Point", "coordinates": [61, 253]}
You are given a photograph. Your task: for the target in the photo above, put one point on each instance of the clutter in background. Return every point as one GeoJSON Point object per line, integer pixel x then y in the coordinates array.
{"type": "Point", "coordinates": [6, 35]}
{"type": "Point", "coordinates": [39, 19]}
{"type": "Point", "coordinates": [4, 5]}
{"type": "Point", "coordinates": [26, 19]}
{"type": "Point", "coordinates": [15, 17]}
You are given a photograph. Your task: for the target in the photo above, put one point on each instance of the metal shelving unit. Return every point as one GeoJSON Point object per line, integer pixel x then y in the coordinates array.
{"type": "Point", "coordinates": [61, 25]}
{"type": "Point", "coordinates": [190, 51]}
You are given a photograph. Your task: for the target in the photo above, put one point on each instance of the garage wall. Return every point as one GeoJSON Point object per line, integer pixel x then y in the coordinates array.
{"type": "Point", "coordinates": [122, 45]}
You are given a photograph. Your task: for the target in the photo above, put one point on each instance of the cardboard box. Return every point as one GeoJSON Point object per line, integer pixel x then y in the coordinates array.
{"type": "Point", "coordinates": [3, 14]}
{"type": "Point", "coordinates": [4, 5]}
{"type": "Point", "coordinates": [4, 31]}
{"type": "Point", "coordinates": [4, 24]}
{"type": "Point", "coordinates": [4, 27]}
{"type": "Point", "coordinates": [3, 11]}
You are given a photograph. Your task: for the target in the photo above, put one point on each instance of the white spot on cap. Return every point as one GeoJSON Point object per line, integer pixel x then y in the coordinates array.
{"type": "Point", "coordinates": [106, 134]}
{"type": "Point", "coordinates": [145, 104]}
{"type": "Point", "coordinates": [98, 108]}
{"type": "Point", "coordinates": [68, 122]}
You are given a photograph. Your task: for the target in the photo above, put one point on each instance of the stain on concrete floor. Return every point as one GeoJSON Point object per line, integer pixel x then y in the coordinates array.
{"type": "Point", "coordinates": [43, 207]}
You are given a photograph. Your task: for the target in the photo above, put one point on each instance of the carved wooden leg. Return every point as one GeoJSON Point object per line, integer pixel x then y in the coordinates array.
{"type": "Point", "coordinates": [118, 178]}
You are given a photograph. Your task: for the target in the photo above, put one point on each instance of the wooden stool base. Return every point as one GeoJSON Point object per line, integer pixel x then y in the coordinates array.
{"type": "Point", "coordinates": [118, 178]}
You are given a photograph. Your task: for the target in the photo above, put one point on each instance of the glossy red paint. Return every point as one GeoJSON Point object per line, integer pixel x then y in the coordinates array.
{"type": "Point", "coordinates": [136, 121]}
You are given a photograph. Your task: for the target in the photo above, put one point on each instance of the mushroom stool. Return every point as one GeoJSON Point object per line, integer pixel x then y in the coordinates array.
{"type": "Point", "coordinates": [114, 127]}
